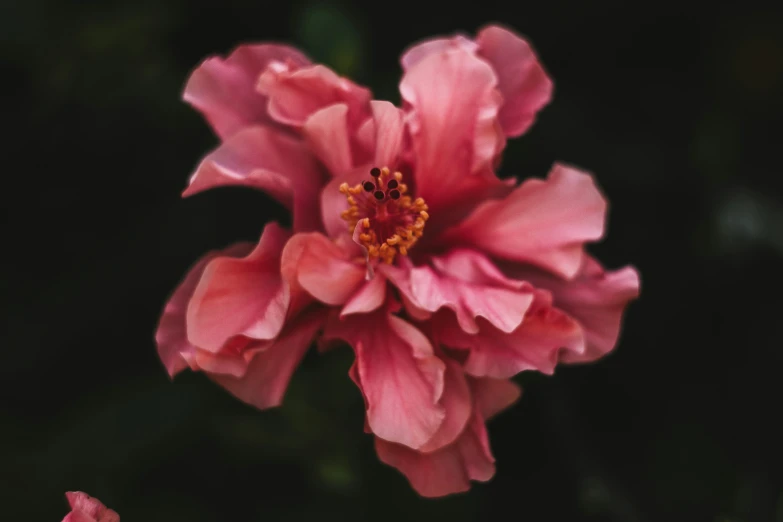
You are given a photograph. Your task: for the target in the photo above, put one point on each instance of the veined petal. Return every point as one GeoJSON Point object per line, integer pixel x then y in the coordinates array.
{"type": "Point", "coordinates": [492, 396]}
{"type": "Point", "coordinates": [295, 93]}
{"type": "Point", "coordinates": [523, 82]}
{"type": "Point", "coordinates": [313, 263]}
{"type": "Point", "coordinates": [327, 134]}
{"type": "Point", "coordinates": [368, 298]}
{"type": "Point", "coordinates": [542, 222]}
{"type": "Point", "coordinates": [352, 155]}
{"type": "Point", "coordinates": [264, 383]}
{"type": "Point", "coordinates": [268, 160]}
{"type": "Point", "coordinates": [171, 335]}
{"type": "Point", "coordinates": [467, 283]}
{"type": "Point", "coordinates": [534, 345]}
{"type": "Point", "coordinates": [382, 135]}
{"type": "Point", "coordinates": [457, 406]}
{"type": "Point", "coordinates": [232, 359]}
{"type": "Point", "coordinates": [596, 298]}
{"type": "Point", "coordinates": [224, 89]}
{"type": "Point", "coordinates": [240, 297]}
{"type": "Point", "coordinates": [417, 52]}
{"type": "Point", "coordinates": [85, 508]}
{"type": "Point", "coordinates": [379, 141]}
{"type": "Point", "coordinates": [400, 377]}
{"type": "Point", "coordinates": [451, 107]}
{"type": "Point", "coordinates": [448, 470]}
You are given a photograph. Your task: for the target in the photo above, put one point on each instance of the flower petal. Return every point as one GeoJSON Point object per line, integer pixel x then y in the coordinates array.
{"type": "Point", "coordinates": [525, 86]}
{"type": "Point", "coordinates": [534, 345]}
{"type": "Point", "coordinates": [382, 135]}
{"type": "Point", "coordinates": [240, 297]}
{"type": "Point", "coordinates": [543, 222]}
{"type": "Point", "coordinates": [448, 470]}
{"type": "Point", "coordinates": [379, 141]}
{"type": "Point", "coordinates": [232, 358]}
{"type": "Point", "coordinates": [457, 405]}
{"type": "Point", "coordinates": [435, 474]}
{"type": "Point", "coordinates": [224, 90]}
{"type": "Point", "coordinates": [400, 377]}
{"type": "Point", "coordinates": [368, 298]}
{"type": "Point", "coordinates": [596, 298]}
{"type": "Point", "coordinates": [171, 335]}
{"type": "Point", "coordinates": [264, 383]}
{"type": "Point", "coordinates": [452, 107]}
{"type": "Point", "coordinates": [268, 160]}
{"type": "Point", "coordinates": [494, 395]}
{"type": "Point", "coordinates": [88, 509]}
{"type": "Point", "coordinates": [295, 93]}
{"type": "Point", "coordinates": [78, 516]}
{"type": "Point", "coordinates": [421, 50]}
{"type": "Point", "coordinates": [326, 131]}
{"type": "Point", "coordinates": [333, 203]}
{"type": "Point", "coordinates": [467, 283]}
{"type": "Point", "coordinates": [319, 266]}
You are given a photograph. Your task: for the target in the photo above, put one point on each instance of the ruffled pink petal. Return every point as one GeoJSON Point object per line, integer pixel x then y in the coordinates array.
{"type": "Point", "coordinates": [327, 134]}
{"type": "Point", "coordinates": [525, 86]}
{"type": "Point", "coordinates": [467, 283]}
{"type": "Point", "coordinates": [232, 359]}
{"type": "Point", "coordinates": [534, 345]}
{"type": "Point", "coordinates": [85, 508]}
{"type": "Point", "coordinates": [224, 90]}
{"type": "Point", "coordinates": [382, 135]}
{"type": "Point", "coordinates": [475, 268]}
{"type": "Point", "coordinates": [542, 222]}
{"type": "Point", "coordinates": [448, 470]}
{"type": "Point", "coordinates": [421, 50]}
{"type": "Point", "coordinates": [345, 151]}
{"type": "Point", "coordinates": [380, 138]}
{"type": "Point", "coordinates": [264, 383]}
{"type": "Point", "coordinates": [78, 516]}
{"type": "Point", "coordinates": [457, 405]}
{"type": "Point", "coordinates": [333, 203]}
{"type": "Point", "coordinates": [295, 93]}
{"type": "Point", "coordinates": [596, 298]}
{"type": "Point", "coordinates": [268, 160]}
{"type": "Point", "coordinates": [400, 377]}
{"type": "Point", "coordinates": [494, 395]}
{"type": "Point", "coordinates": [240, 297]}
{"type": "Point", "coordinates": [412, 310]}
{"type": "Point", "coordinates": [368, 298]}
{"type": "Point", "coordinates": [320, 267]}
{"type": "Point", "coordinates": [171, 335]}
{"type": "Point", "coordinates": [452, 107]}
{"type": "Point", "coordinates": [461, 207]}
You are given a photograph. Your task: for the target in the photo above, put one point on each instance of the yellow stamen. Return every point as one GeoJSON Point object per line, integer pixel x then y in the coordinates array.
{"type": "Point", "coordinates": [400, 220]}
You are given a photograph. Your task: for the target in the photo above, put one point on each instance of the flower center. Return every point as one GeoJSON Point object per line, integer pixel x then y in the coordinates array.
{"type": "Point", "coordinates": [391, 221]}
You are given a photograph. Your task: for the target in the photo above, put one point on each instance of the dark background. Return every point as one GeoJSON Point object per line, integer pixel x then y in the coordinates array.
{"type": "Point", "coordinates": [677, 109]}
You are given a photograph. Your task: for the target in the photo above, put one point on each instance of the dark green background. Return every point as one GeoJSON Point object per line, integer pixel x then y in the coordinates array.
{"type": "Point", "coordinates": [676, 108]}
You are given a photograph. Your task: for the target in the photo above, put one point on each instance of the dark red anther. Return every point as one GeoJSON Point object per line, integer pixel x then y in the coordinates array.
{"type": "Point", "coordinates": [392, 184]}
{"type": "Point", "coordinates": [394, 194]}
{"type": "Point", "coordinates": [368, 186]}
{"type": "Point", "coordinates": [379, 195]}
{"type": "Point", "coordinates": [375, 172]}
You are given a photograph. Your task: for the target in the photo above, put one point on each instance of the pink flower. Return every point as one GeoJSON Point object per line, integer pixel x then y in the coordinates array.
{"type": "Point", "coordinates": [444, 279]}
{"type": "Point", "coordinates": [84, 508]}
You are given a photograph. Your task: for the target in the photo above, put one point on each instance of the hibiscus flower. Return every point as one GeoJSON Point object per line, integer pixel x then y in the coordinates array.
{"type": "Point", "coordinates": [84, 508]}
{"type": "Point", "coordinates": [444, 279]}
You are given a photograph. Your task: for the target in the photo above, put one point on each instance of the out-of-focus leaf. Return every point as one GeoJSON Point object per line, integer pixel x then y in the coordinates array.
{"type": "Point", "coordinates": [332, 37]}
